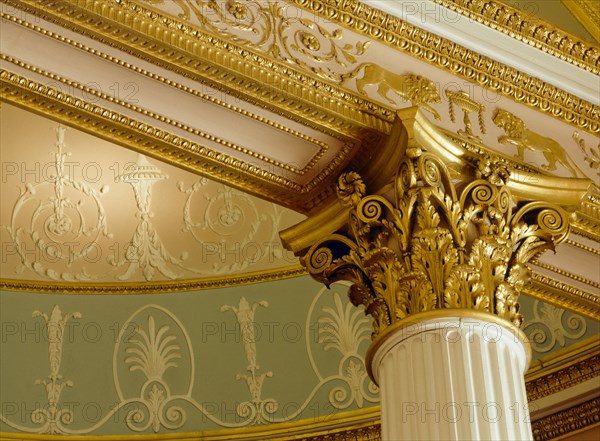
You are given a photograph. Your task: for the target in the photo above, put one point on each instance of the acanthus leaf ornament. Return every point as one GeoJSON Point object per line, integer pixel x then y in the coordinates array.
{"type": "Point", "coordinates": [426, 245]}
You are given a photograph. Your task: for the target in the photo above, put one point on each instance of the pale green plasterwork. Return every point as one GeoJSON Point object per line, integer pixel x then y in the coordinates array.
{"type": "Point", "coordinates": [286, 362]}
{"type": "Point", "coordinates": [282, 331]}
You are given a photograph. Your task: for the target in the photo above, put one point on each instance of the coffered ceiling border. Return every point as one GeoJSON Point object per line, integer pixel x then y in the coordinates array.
{"type": "Point", "coordinates": [141, 137]}
{"type": "Point", "coordinates": [322, 147]}
{"type": "Point", "coordinates": [184, 49]}
{"type": "Point", "coordinates": [554, 373]}
{"type": "Point", "coordinates": [525, 27]}
{"type": "Point", "coordinates": [195, 54]}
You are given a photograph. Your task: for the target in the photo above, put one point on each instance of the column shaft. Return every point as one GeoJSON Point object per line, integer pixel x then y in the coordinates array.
{"type": "Point", "coordinates": [452, 378]}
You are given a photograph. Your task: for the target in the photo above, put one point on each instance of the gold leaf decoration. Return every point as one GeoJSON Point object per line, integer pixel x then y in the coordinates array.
{"type": "Point", "coordinates": [430, 247]}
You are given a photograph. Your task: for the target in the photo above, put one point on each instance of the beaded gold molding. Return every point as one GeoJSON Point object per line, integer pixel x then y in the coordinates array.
{"type": "Point", "coordinates": [525, 27]}
{"type": "Point", "coordinates": [563, 369]}
{"type": "Point", "coordinates": [167, 39]}
{"type": "Point", "coordinates": [142, 137]}
{"type": "Point", "coordinates": [152, 287]}
{"type": "Point", "coordinates": [223, 65]}
{"type": "Point", "coordinates": [93, 92]}
{"type": "Point", "coordinates": [565, 296]}
{"type": "Point", "coordinates": [458, 60]}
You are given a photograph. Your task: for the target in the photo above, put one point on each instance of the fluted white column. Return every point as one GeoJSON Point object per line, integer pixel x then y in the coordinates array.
{"type": "Point", "coordinates": [452, 378]}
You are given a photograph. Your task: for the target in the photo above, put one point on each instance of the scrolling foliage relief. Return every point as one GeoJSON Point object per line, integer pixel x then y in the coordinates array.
{"type": "Point", "coordinates": [427, 246]}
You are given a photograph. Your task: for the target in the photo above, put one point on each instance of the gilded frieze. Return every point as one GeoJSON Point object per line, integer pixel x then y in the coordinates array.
{"type": "Point", "coordinates": [575, 419]}
{"type": "Point", "coordinates": [461, 62]}
{"type": "Point", "coordinates": [418, 90]}
{"type": "Point", "coordinates": [275, 29]}
{"type": "Point", "coordinates": [325, 95]}
{"type": "Point", "coordinates": [592, 155]}
{"type": "Point", "coordinates": [517, 134]}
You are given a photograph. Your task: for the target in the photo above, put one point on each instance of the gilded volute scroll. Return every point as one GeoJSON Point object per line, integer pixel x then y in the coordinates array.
{"type": "Point", "coordinates": [429, 243]}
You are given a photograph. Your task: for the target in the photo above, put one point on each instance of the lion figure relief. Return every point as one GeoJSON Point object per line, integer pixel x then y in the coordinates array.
{"type": "Point", "coordinates": [524, 139]}
{"type": "Point", "coordinates": [417, 89]}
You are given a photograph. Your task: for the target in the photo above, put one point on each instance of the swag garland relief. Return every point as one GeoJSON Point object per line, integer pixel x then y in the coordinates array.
{"type": "Point", "coordinates": [63, 228]}
{"type": "Point", "coordinates": [154, 371]}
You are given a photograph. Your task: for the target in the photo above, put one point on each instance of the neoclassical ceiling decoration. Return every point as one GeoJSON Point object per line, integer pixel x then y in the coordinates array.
{"type": "Point", "coordinates": [71, 215]}
{"type": "Point", "coordinates": [316, 85]}
{"type": "Point", "coordinates": [168, 147]}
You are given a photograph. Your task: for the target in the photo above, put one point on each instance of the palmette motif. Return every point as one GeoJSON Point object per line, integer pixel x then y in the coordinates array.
{"type": "Point", "coordinates": [430, 246]}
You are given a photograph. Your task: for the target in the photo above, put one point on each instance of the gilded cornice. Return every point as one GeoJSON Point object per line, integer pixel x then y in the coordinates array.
{"type": "Point", "coordinates": [193, 53]}
{"type": "Point", "coordinates": [565, 296]}
{"type": "Point", "coordinates": [563, 369]}
{"type": "Point", "coordinates": [525, 27]}
{"type": "Point", "coordinates": [568, 422]}
{"type": "Point", "coordinates": [568, 274]}
{"type": "Point", "coordinates": [152, 287]}
{"type": "Point", "coordinates": [189, 51]}
{"type": "Point", "coordinates": [175, 124]}
{"type": "Point", "coordinates": [587, 219]}
{"type": "Point", "coordinates": [144, 138]}
{"type": "Point", "coordinates": [458, 60]}
{"type": "Point", "coordinates": [587, 12]}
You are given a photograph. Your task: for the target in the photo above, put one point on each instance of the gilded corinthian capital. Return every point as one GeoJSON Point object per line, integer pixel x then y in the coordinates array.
{"type": "Point", "coordinates": [429, 243]}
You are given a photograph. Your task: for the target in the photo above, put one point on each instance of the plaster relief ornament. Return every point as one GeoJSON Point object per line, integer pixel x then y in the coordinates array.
{"type": "Point", "coordinates": [52, 418]}
{"type": "Point", "coordinates": [258, 410]}
{"type": "Point", "coordinates": [593, 156]}
{"type": "Point", "coordinates": [146, 251]}
{"type": "Point", "coordinates": [343, 328]}
{"type": "Point", "coordinates": [61, 217]}
{"type": "Point", "coordinates": [524, 139]}
{"type": "Point", "coordinates": [548, 327]}
{"type": "Point", "coordinates": [467, 105]}
{"type": "Point", "coordinates": [427, 246]}
{"type": "Point", "coordinates": [419, 90]}
{"type": "Point", "coordinates": [276, 29]}
{"type": "Point", "coordinates": [152, 343]}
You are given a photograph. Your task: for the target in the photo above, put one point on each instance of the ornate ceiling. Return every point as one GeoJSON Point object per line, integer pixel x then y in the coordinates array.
{"type": "Point", "coordinates": [152, 146]}
{"type": "Point", "coordinates": [275, 101]}
{"type": "Point", "coordinates": [310, 88]}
